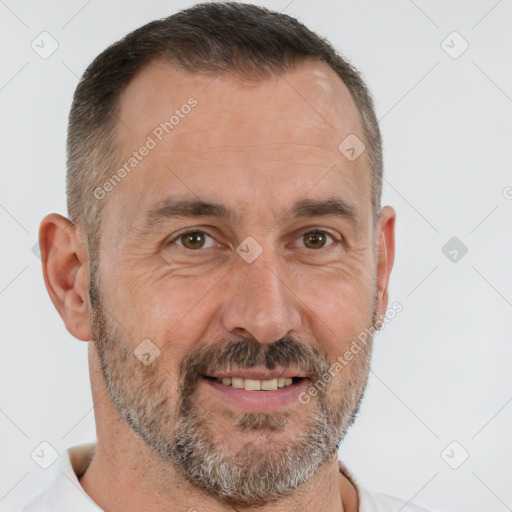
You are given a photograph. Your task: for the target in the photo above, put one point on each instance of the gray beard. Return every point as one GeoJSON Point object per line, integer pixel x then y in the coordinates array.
{"type": "Point", "coordinates": [184, 437]}
{"type": "Point", "coordinates": [259, 472]}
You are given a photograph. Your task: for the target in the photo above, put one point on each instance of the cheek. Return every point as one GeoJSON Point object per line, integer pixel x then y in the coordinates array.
{"type": "Point", "coordinates": [169, 311]}
{"type": "Point", "coordinates": [338, 308]}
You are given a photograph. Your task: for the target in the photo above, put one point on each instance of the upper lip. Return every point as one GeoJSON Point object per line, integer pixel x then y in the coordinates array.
{"type": "Point", "coordinates": [257, 374]}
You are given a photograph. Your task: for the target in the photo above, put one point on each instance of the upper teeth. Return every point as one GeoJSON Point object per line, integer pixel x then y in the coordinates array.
{"type": "Point", "coordinates": [257, 385]}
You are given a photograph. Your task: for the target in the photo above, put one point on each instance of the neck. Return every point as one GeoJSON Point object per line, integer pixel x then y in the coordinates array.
{"type": "Point", "coordinates": [124, 477]}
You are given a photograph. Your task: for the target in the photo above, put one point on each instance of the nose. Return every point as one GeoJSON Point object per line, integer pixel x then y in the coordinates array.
{"type": "Point", "coordinates": [260, 302]}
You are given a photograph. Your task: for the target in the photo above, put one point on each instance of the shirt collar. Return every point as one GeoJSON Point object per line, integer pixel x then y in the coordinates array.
{"type": "Point", "coordinates": [65, 492]}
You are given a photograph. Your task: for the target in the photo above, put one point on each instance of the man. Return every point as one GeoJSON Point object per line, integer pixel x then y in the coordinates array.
{"type": "Point", "coordinates": [226, 247]}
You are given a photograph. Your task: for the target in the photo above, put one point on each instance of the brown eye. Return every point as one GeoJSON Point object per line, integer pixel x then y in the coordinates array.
{"type": "Point", "coordinates": [193, 239]}
{"type": "Point", "coordinates": [316, 239]}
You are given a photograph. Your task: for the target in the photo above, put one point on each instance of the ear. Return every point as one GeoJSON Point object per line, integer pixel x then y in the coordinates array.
{"type": "Point", "coordinates": [385, 256]}
{"type": "Point", "coordinates": [65, 260]}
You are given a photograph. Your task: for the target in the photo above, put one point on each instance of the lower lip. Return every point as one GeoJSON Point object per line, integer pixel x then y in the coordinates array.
{"type": "Point", "coordinates": [258, 400]}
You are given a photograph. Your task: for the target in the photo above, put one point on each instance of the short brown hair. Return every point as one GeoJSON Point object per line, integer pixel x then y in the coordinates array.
{"type": "Point", "coordinates": [209, 37]}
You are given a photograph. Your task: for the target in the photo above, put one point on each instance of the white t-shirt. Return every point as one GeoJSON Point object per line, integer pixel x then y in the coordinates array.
{"type": "Point", "coordinates": [65, 493]}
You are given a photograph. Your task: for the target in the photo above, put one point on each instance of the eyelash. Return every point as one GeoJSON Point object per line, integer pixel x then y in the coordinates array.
{"type": "Point", "coordinates": [198, 251]}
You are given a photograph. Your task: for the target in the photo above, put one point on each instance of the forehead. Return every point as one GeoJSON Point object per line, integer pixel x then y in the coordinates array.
{"type": "Point", "coordinates": [275, 139]}
{"type": "Point", "coordinates": [312, 93]}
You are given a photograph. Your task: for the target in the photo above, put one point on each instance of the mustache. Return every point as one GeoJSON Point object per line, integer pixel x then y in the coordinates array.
{"type": "Point", "coordinates": [248, 353]}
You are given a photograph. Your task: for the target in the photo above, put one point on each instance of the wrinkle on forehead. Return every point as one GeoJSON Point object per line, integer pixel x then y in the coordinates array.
{"type": "Point", "coordinates": [276, 137]}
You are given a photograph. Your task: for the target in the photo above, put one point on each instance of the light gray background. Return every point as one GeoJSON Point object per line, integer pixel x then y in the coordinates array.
{"type": "Point", "coordinates": [441, 370]}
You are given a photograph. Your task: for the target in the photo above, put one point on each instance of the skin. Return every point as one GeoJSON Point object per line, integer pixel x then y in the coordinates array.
{"type": "Point", "coordinates": [256, 147]}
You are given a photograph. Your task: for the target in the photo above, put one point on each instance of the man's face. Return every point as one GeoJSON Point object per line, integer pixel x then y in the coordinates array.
{"type": "Point", "coordinates": [272, 284]}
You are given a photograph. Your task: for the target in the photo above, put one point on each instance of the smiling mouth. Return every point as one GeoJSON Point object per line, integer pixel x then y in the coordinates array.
{"type": "Point", "coordinates": [254, 384]}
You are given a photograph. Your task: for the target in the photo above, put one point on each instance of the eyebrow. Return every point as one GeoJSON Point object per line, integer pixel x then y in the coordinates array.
{"type": "Point", "coordinates": [194, 208]}
{"type": "Point", "coordinates": [333, 207]}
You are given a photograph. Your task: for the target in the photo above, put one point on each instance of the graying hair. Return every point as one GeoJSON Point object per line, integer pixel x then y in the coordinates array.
{"type": "Point", "coordinates": [207, 38]}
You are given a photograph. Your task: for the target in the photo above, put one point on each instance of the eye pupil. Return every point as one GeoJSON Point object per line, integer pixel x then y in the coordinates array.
{"type": "Point", "coordinates": [314, 240]}
{"type": "Point", "coordinates": [193, 240]}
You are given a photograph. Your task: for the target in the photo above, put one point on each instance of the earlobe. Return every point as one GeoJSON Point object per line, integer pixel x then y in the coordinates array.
{"type": "Point", "coordinates": [65, 263]}
{"type": "Point", "coordinates": [385, 256]}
